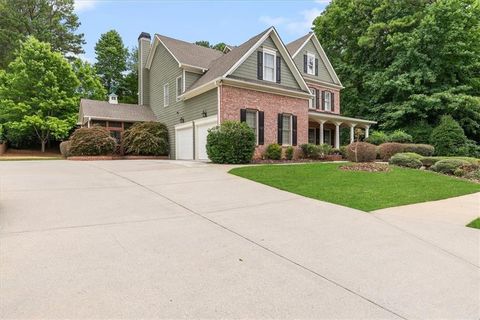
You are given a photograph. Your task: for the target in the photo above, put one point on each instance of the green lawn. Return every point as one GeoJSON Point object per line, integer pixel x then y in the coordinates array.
{"type": "Point", "coordinates": [474, 224]}
{"type": "Point", "coordinates": [366, 191]}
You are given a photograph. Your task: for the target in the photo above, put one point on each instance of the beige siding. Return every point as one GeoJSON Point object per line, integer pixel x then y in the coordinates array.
{"type": "Point", "coordinates": [165, 69]}
{"type": "Point", "coordinates": [248, 69]}
{"type": "Point", "coordinates": [323, 74]}
{"type": "Point", "coordinates": [190, 79]}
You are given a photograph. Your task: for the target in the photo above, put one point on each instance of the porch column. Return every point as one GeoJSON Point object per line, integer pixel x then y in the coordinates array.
{"type": "Point", "coordinates": [352, 132]}
{"type": "Point", "coordinates": [337, 134]}
{"type": "Point", "coordinates": [322, 139]}
{"type": "Point", "coordinates": [367, 128]}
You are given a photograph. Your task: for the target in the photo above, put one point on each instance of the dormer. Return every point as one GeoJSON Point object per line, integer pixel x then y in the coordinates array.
{"type": "Point", "coordinates": [112, 98]}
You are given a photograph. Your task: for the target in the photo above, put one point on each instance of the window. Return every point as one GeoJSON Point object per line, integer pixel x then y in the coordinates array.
{"type": "Point", "coordinates": [327, 102]}
{"type": "Point", "coordinates": [287, 129]}
{"type": "Point", "coordinates": [166, 95]}
{"type": "Point", "coordinates": [252, 121]}
{"type": "Point", "coordinates": [179, 87]}
{"type": "Point", "coordinates": [310, 63]}
{"type": "Point", "coordinates": [312, 135]}
{"type": "Point", "coordinates": [114, 124]}
{"type": "Point", "coordinates": [269, 65]}
{"type": "Point", "coordinates": [313, 102]}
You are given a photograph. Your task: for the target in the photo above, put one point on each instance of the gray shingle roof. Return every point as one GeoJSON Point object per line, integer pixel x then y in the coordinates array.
{"type": "Point", "coordinates": [102, 110]}
{"type": "Point", "coordinates": [221, 65]}
{"type": "Point", "coordinates": [190, 53]}
{"type": "Point", "coordinates": [293, 46]}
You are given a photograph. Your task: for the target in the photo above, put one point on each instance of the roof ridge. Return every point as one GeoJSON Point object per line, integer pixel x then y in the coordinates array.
{"type": "Point", "coordinates": [190, 43]}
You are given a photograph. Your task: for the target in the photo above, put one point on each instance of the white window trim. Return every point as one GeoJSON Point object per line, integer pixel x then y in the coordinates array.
{"type": "Point", "coordinates": [311, 55]}
{"type": "Point", "coordinates": [166, 95]}
{"type": "Point", "coordinates": [329, 101]}
{"type": "Point", "coordinates": [291, 129]}
{"type": "Point", "coordinates": [274, 54]}
{"type": "Point", "coordinates": [176, 87]}
{"type": "Point", "coordinates": [256, 120]}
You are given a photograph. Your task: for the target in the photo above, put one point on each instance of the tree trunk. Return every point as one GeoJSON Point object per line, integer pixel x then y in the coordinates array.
{"type": "Point", "coordinates": [43, 145]}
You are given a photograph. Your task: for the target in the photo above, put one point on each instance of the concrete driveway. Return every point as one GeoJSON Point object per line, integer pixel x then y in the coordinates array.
{"type": "Point", "coordinates": [165, 239]}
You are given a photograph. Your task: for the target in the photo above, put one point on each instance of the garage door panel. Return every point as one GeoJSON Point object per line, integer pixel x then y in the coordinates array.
{"type": "Point", "coordinates": [201, 132]}
{"type": "Point", "coordinates": [184, 143]}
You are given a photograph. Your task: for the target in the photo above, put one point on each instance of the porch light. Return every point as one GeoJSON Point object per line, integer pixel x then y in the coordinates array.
{"type": "Point", "coordinates": [182, 120]}
{"type": "Point", "coordinates": [204, 113]}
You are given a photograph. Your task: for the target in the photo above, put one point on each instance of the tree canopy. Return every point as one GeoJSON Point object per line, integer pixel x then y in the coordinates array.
{"type": "Point", "coordinates": [219, 46]}
{"type": "Point", "coordinates": [406, 63]}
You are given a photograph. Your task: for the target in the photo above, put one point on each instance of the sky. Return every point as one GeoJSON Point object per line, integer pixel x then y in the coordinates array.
{"type": "Point", "coordinates": [232, 22]}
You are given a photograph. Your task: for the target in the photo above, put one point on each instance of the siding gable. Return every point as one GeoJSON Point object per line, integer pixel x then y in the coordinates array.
{"type": "Point", "coordinates": [323, 74]}
{"type": "Point", "coordinates": [248, 69]}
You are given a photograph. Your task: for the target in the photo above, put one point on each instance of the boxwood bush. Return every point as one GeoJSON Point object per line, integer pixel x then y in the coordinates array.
{"type": "Point", "coordinates": [425, 150]}
{"type": "Point", "coordinates": [273, 152]}
{"type": "Point", "coordinates": [407, 159]}
{"type": "Point", "coordinates": [94, 141]}
{"type": "Point", "coordinates": [449, 166]}
{"type": "Point", "coordinates": [231, 142]}
{"type": "Point", "coordinates": [387, 150]}
{"type": "Point", "coordinates": [361, 152]}
{"type": "Point", "coordinates": [146, 139]}
{"type": "Point", "coordinates": [289, 153]}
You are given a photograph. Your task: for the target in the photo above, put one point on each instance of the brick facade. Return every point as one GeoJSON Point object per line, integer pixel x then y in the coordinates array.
{"type": "Point", "coordinates": [233, 99]}
{"type": "Point", "coordinates": [336, 99]}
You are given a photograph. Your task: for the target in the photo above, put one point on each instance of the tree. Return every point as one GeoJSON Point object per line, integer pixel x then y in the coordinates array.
{"type": "Point", "coordinates": [448, 137]}
{"type": "Point", "coordinates": [129, 87]}
{"type": "Point", "coordinates": [406, 63]}
{"type": "Point", "coordinates": [219, 46]}
{"type": "Point", "coordinates": [52, 21]}
{"type": "Point", "coordinates": [38, 93]}
{"type": "Point", "coordinates": [91, 86]}
{"type": "Point", "coordinates": [111, 59]}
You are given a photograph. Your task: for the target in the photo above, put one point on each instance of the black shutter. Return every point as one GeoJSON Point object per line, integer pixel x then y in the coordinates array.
{"type": "Point", "coordinates": [294, 130]}
{"type": "Point", "coordinates": [316, 67]}
{"type": "Point", "coordinates": [323, 100]}
{"type": "Point", "coordinates": [260, 65]}
{"type": "Point", "coordinates": [261, 129]}
{"type": "Point", "coordinates": [332, 137]}
{"type": "Point", "coordinates": [279, 69]}
{"type": "Point", "coordinates": [317, 99]}
{"type": "Point", "coordinates": [305, 63]}
{"type": "Point", "coordinates": [317, 133]}
{"type": "Point", "coordinates": [243, 115]}
{"type": "Point", "coordinates": [280, 126]}
{"type": "Point", "coordinates": [332, 101]}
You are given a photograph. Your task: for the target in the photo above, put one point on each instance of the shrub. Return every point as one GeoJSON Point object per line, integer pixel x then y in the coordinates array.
{"type": "Point", "coordinates": [448, 137]}
{"type": "Point", "coordinates": [343, 152]}
{"type": "Point", "coordinates": [408, 159]}
{"type": "Point", "coordinates": [430, 161]}
{"type": "Point", "coordinates": [93, 141]}
{"type": "Point", "coordinates": [425, 150]}
{"type": "Point", "coordinates": [377, 138]}
{"type": "Point", "coordinates": [273, 151]}
{"type": "Point", "coordinates": [310, 151]}
{"type": "Point", "coordinates": [400, 136]}
{"type": "Point", "coordinates": [335, 151]}
{"type": "Point", "coordinates": [361, 152]}
{"type": "Point", "coordinates": [470, 149]}
{"type": "Point", "coordinates": [387, 150]}
{"type": "Point", "coordinates": [324, 149]}
{"type": "Point", "coordinates": [231, 142]}
{"type": "Point", "coordinates": [448, 166]}
{"type": "Point", "coordinates": [65, 147]}
{"type": "Point", "coordinates": [475, 174]}
{"type": "Point", "coordinates": [146, 138]}
{"type": "Point", "coordinates": [289, 153]}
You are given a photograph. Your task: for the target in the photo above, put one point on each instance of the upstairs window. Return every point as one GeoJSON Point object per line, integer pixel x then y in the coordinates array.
{"type": "Point", "coordinates": [166, 95]}
{"type": "Point", "coordinates": [310, 63]}
{"type": "Point", "coordinates": [327, 102]}
{"type": "Point", "coordinates": [313, 102]}
{"type": "Point", "coordinates": [179, 87]}
{"type": "Point", "coordinates": [269, 65]}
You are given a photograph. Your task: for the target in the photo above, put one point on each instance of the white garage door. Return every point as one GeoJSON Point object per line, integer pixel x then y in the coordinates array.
{"type": "Point", "coordinates": [201, 132]}
{"type": "Point", "coordinates": [184, 141]}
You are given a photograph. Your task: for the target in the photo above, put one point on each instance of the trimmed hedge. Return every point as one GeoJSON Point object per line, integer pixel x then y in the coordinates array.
{"type": "Point", "coordinates": [387, 150]}
{"type": "Point", "coordinates": [146, 139]}
{"type": "Point", "coordinates": [449, 166]}
{"type": "Point", "coordinates": [273, 152]}
{"type": "Point", "coordinates": [231, 142]}
{"type": "Point", "coordinates": [408, 159]}
{"type": "Point", "coordinates": [425, 150]}
{"type": "Point", "coordinates": [94, 141]}
{"type": "Point", "coordinates": [448, 137]}
{"type": "Point", "coordinates": [361, 152]}
{"type": "Point", "coordinates": [65, 147]}
{"type": "Point", "coordinates": [313, 151]}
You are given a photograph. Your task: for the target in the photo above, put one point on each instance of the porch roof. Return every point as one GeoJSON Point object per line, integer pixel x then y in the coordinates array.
{"type": "Point", "coordinates": [335, 118]}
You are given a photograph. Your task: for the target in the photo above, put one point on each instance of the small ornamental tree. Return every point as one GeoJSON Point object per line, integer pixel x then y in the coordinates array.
{"type": "Point", "coordinates": [231, 142]}
{"type": "Point", "coordinates": [147, 139]}
{"type": "Point", "coordinates": [448, 137]}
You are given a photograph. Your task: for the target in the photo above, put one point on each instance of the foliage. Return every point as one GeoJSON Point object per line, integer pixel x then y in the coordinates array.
{"type": "Point", "coordinates": [361, 152]}
{"type": "Point", "coordinates": [422, 149]}
{"type": "Point", "coordinates": [129, 86]}
{"type": "Point", "coordinates": [231, 142]}
{"type": "Point", "coordinates": [2, 134]}
{"type": "Point", "coordinates": [38, 94]}
{"type": "Point", "coordinates": [387, 150]}
{"type": "Point", "coordinates": [65, 147]}
{"type": "Point", "coordinates": [94, 141]}
{"type": "Point", "coordinates": [273, 151]}
{"type": "Point", "coordinates": [400, 136]}
{"type": "Point", "coordinates": [475, 223]}
{"type": "Point", "coordinates": [90, 84]}
{"type": "Point", "coordinates": [146, 138]}
{"type": "Point", "coordinates": [343, 151]}
{"type": "Point", "coordinates": [310, 151]}
{"type": "Point", "coordinates": [448, 137]}
{"type": "Point", "coordinates": [289, 152]}
{"type": "Point", "coordinates": [51, 21]}
{"type": "Point", "coordinates": [406, 63]}
{"type": "Point", "coordinates": [448, 166]}
{"type": "Point", "coordinates": [409, 160]}
{"type": "Point", "coordinates": [111, 57]}
{"type": "Point", "coordinates": [366, 191]}
{"type": "Point", "coordinates": [377, 138]}
{"type": "Point", "coordinates": [219, 46]}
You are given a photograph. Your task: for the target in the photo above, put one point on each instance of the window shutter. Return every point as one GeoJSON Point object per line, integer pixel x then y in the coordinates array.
{"type": "Point", "coordinates": [332, 101]}
{"type": "Point", "coordinates": [279, 69]}
{"type": "Point", "coordinates": [316, 66]}
{"type": "Point", "coordinates": [317, 133]}
{"type": "Point", "coordinates": [261, 130]}
{"type": "Point", "coordinates": [260, 65]}
{"type": "Point", "coordinates": [243, 115]}
{"type": "Point", "coordinates": [294, 130]}
{"type": "Point", "coordinates": [280, 126]}
{"type": "Point", "coordinates": [317, 98]}
{"type": "Point", "coordinates": [323, 100]}
{"type": "Point", "coordinates": [305, 63]}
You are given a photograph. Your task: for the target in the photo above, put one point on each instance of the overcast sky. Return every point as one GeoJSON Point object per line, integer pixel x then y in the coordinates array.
{"type": "Point", "coordinates": [232, 22]}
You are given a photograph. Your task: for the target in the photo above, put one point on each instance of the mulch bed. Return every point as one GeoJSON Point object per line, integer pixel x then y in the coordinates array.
{"type": "Point", "coordinates": [30, 153]}
{"type": "Point", "coordinates": [366, 166]}
{"type": "Point", "coordinates": [269, 161]}
{"type": "Point", "coordinates": [94, 158]}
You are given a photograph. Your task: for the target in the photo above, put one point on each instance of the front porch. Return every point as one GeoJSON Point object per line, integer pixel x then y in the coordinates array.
{"type": "Point", "coordinates": [325, 127]}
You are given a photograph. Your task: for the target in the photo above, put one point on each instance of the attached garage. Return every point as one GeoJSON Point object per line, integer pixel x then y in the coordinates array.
{"type": "Point", "coordinates": [191, 138]}
{"type": "Point", "coordinates": [184, 141]}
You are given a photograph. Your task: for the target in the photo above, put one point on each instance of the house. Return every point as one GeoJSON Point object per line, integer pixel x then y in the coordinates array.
{"type": "Point", "coordinates": [288, 94]}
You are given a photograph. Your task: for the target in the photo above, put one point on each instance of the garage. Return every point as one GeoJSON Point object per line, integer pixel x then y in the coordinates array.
{"type": "Point", "coordinates": [201, 132]}
{"type": "Point", "coordinates": [191, 138]}
{"type": "Point", "coordinates": [184, 141]}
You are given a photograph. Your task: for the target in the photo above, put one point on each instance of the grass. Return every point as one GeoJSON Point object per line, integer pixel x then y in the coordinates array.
{"type": "Point", "coordinates": [474, 224]}
{"type": "Point", "coordinates": [365, 191]}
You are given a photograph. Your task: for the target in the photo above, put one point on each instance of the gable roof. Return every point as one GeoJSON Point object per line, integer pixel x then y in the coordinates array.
{"type": "Point", "coordinates": [102, 110]}
{"type": "Point", "coordinates": [296, 45]}
{"type": "Point", "coordinates": [185, 53]}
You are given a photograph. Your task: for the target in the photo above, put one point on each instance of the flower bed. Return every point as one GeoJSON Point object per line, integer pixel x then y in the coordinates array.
{"type": "Point", "coordinates": [116, 157]}
{"type": "Point", "coordinates": [366, 166]}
